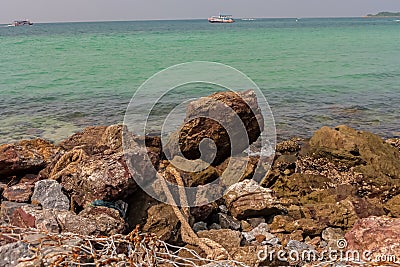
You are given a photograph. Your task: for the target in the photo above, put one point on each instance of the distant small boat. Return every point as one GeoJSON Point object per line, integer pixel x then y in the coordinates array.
{"type": "Point", "coordinates": [397, 20]}
{"type": "Point", "coordinates": [20, 23]}
{"type": "Point", "coordinates": [248, 19]}
{"type": "Point", "coordinates": [221, 19]}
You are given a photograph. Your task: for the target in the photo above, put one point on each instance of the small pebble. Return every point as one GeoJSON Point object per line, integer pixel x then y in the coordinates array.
{"type": "Point", "coordinates": [199, 226]}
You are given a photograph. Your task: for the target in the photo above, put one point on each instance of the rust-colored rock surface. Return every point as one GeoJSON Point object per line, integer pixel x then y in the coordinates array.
{"type": "Point", "coordinates": [93, 166]}
{"type": "Point", "coordinates": [378, 235]}
{"type": "Point", "coordinates": [27, 156]}
{"type": "Point", "coordinates": [22, 191]}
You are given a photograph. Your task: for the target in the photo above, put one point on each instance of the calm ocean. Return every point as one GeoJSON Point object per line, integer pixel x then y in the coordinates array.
{"type": "Point", "coordinates": [57, 78]}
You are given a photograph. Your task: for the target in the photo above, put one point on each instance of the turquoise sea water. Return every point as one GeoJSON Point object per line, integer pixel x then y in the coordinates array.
{"type": "Point", "coordinates": [57, 78]}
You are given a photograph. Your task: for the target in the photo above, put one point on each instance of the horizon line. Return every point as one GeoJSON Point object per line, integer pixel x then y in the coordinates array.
{"type": "Point", "coordinates": [183, 19]}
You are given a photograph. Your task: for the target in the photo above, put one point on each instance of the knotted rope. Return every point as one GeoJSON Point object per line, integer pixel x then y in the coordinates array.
{"type": "Point", "coordinates": [66, 162]}
{"type": "Point", "coordinates": [213, 249]}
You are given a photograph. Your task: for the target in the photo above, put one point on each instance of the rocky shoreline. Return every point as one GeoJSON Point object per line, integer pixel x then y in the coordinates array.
{"type": "Point", "coordinates": [78, 202]}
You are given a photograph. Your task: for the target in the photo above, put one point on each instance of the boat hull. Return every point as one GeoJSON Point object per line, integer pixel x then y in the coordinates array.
{"type": "Point", "coordinates": [20, 23]}
{"type": "Point", "coordinates": [220, 21]}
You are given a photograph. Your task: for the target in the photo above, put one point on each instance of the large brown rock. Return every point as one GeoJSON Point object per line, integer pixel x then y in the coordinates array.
{"type": "Point", "coordinates": [229, 239]}
{"type": "Point", "coordinates": [138, 205]}
{"type": "Point", "coordinates": [96, 139]}
{"type": "Point", "coordinates": [343, 213]}
{"type": "Point", "coordinates": [22, 191]}
{"type": "Point", "coordinates": [323, 208]}
{"type": "Point", "coordinates": [393, 206]}
{"type": "Point", "coordinates": [378, 235]}
{"type": "Point", "coordinates": [91, 221]}
{"type": "Point", "coordinates": [27, 156]}
{"type": "Point", "coordinates": [376, 161]}
{"type": "Point", "coordinates": [201, 173]}
{"type": "Point", "coordinates": [247, 198]}
{"type": "Point", "coordinates": [162, 221]}
{"type": "Point", "coordinates": [96, 177]}
{"type": "Point", "coordinates": [287, 225]}
{"type": "Point", "coordinates": [212, 117]}
{"type": "Point", "coordinates": [309, 227]}
{"type": "Point", "coordinates": [394, 142]}
{"type": "Point", "coordinates": [232, 169]}
{"type": "Point", "coordinates": [298, 185]}
{"type": "Point", "coordinates": [18, 192]}
{"type": "Point", "coordinates": [94, 166]}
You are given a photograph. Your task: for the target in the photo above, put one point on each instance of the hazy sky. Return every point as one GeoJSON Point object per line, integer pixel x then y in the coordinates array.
{"type": "Point", "coordinates": [92, 10]}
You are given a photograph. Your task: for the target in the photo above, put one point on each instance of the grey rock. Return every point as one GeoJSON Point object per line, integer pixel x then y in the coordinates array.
{"type": "Point", "coordinates": [331, 236]}
{"type": "Point", "coordinates": [199, 226]}
{"type": "Point", "coordinates": [11, 253]}
{"type": "Point", "coordinates": [215, 226]}
{"type": "Point", "coordinates": [248, 236]}
{"type": "Point", "coordinates": [228, 222]}
{"type": "Point", "coordinates": [295, 245]}
{"type": "Point", "coordinates": [49, 195]}
{"type": "Point", "coordinates": [261, 229]}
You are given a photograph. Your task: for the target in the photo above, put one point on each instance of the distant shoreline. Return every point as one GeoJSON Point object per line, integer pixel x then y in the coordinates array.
{"type": "Point", "coordinates": [384, 15]}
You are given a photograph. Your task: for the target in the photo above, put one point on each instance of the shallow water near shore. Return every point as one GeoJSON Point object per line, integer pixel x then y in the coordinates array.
{"type": "Point", "coordinates": [58, 78]}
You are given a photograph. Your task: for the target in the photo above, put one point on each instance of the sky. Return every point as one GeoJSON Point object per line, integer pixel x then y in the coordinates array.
{"type": "Point", "coordinates": [105, 10]}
